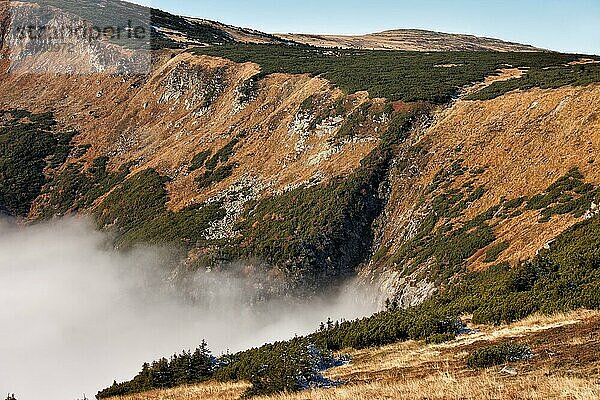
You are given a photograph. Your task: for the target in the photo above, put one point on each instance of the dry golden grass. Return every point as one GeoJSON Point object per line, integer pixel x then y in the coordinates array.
{"type": "Point", "coordinates": [526, 140]}
{"type": "Point", "coordinates": [445, 385]}
{"type": "Point", "coordinates": [566, 366]}
{"type": "Point", "coordinates": [155, 123]}
{"type": "Point", "coordinates": [407, 39]}
{"type": "Point", "coordinates": [205, 391]}
{"type": "Point", "coordinates": [413, 354]}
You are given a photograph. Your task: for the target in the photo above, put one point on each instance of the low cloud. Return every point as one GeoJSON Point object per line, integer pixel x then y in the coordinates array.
{"type": "Point", "coordinates": [75, 315]}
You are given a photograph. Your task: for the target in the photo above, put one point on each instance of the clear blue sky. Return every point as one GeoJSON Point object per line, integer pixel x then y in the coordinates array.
{"type": "Point", "coordinates": [565, 25]}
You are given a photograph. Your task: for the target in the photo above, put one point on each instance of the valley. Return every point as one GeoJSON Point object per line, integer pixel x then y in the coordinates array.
{"type": "Point", "coordinates": [453, 178]}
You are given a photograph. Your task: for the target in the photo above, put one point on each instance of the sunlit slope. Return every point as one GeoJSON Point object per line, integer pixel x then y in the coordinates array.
{"type": "Point", "coordinates": [565, 364]}
{"type": "Point", "coordinates": [409, 39]}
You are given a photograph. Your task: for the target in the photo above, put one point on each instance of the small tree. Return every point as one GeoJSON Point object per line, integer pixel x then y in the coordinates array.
{"type": "Point", "coordinates": [202, 363]}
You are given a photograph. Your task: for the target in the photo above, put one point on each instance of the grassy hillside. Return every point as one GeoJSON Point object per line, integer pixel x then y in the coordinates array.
{"type": "Point", "coordinates": [555, 281]}
{"type": "Point", "coordinates": [563, 365]}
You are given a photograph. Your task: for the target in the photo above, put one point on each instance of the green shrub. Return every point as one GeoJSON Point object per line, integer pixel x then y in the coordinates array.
{"type": "Point", "coordinates": [181, 369]}
{"type": "Point", "coordinates": [568, 195]}
{"type": "Point", "coordinates": [29, 147]}
{"type": "Point", "coordinates": [211, 177]}
{"type": "Point", "coordinates": [388, 327]}
{"type": "Point", "coordinates": [199, 160]}
{"type": "Point", "coordinates": [136, 212]}
{"type": "Point", "coordinates": [439, 338]}
{"type": "Point", "coordinates": [74, 189]}
{"type": "Point", "coordinates": [498, 354]}
{"type": "Point", "coordinates": [494, 252]}
{"type": "Point", "coordinates": [406, 75]}
{"type": "Point", "coordinates": [223, 154]}
{"type": "Point", "coordinates": [542, 77]}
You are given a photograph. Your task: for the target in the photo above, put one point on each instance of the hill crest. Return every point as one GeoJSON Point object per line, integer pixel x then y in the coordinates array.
{"type": "Point", "coordinates": [410, 39]}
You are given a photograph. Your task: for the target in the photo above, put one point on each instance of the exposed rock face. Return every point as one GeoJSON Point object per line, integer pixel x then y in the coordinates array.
{"type": "Point", "coordinates": [391, 284]}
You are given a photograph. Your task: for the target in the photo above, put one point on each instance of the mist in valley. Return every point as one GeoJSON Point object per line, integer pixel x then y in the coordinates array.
{"type": "Point", "coordinates": [75, 314]}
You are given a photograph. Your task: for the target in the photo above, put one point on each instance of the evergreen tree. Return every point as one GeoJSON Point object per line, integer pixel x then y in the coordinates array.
{"type": "Point", "coordinates": [162, 376]}
{"type": "Point", "coordinates": [201, 363]}
{"type": "Point", "coordinates": [181, 365]}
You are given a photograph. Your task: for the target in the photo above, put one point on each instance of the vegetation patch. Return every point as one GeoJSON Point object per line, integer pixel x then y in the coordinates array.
{"type": "Point", "coordinates": [199, 160]}
{"type": "Point", "coordinates": [216, 168]}
{"type": "Point", "coordinates": [74, 188]}
{"type": "Point", "coordinates": [248, 91]}
{"type": "Point", "coordinates": [30, 148]}
{"type": "Point", "coordinates": [406, 75]}
{"type": "Point", "coordinates": [351, 124]}
{"type": "Point", "coordinates": [494, 252]}
{"type": "Point", "coordinates": [390, 326]}
{"type": "Point", "coordinates": [440, 239]}
{"type": "Point", "coordinates": [181, 369]}
{"type": "Point", "coordinates": [568, 195]}
{"type": "Point", "coordinates": [213, 176]}
{"type": "Point", "coordinates": [543, 77]}
{"type": "Point", "coordinates": [136, 212]}
{"type": "Point", "coordinates": [498, 355]}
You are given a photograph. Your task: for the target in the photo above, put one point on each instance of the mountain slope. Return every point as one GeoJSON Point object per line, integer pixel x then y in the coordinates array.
{"type": "Point", "coordinates": [497, 157]}
{"type": "Point", "coordinates": [167, 30]}
{"type": "Point", "coordinates": [450, 181]}
{"type": "Point", "coordinates": [562, 357]}
{"type": "Point", "coordinates": [410, 40]}
{"type": "Point", "coordinates": [282, 155]}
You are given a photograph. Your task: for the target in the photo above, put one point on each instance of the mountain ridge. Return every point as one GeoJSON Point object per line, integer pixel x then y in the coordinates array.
{"type": "Point", "coordinates": [411, 40]}
{"type": "Point", "coordinates": [173, 30]}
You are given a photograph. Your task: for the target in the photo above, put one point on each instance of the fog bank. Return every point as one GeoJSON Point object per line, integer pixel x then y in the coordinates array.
{"type": "Point", "coordinates": [75, 315]}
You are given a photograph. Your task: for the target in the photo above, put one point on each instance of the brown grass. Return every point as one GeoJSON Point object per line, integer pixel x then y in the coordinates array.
{"type": "Point", "coordinates": [408, 39]}
{"type": "Point", "coordinates": [446, 385]}
{"type": "Point", "coordinates": [566, 365]}
{"type": "Point", "coordinates": [525, 140]}
{"type": "Point", "coordinates": [205, 391]}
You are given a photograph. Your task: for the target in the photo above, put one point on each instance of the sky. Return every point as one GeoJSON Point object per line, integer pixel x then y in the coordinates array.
{"type": "Point", "coordinates": [563, 25]}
